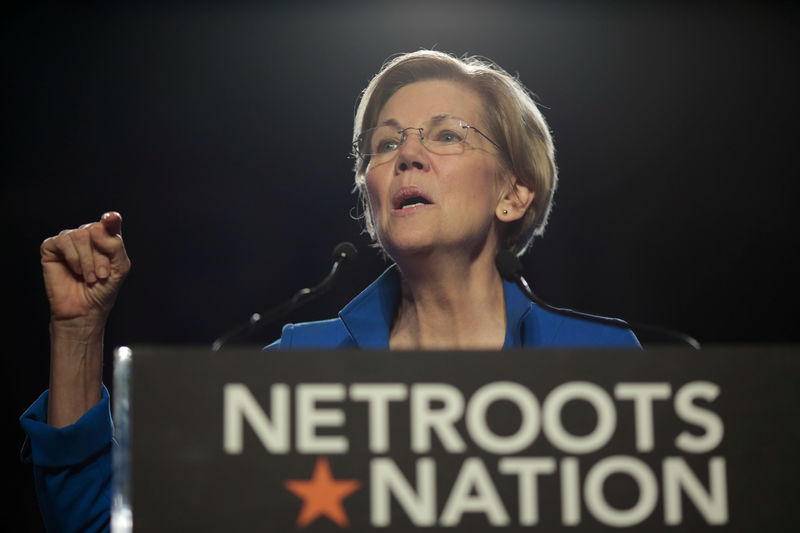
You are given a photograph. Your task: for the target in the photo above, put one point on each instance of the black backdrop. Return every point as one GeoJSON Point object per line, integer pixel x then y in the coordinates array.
{"type": "Point", "coordinates": [220, 132]}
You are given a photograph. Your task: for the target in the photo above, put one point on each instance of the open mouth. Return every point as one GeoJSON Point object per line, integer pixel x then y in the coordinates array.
{"type": "Point", "coordinates": [413, 201]}
{"type": "Point", "coordinates": [409, 197]}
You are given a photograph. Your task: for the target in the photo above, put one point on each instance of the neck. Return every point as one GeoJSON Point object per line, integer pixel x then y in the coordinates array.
{"type": "Point", "coordinates": [450, 304]}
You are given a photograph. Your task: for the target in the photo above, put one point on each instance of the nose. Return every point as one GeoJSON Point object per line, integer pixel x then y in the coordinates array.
{"type": "Point", "coordinates": [412, 154]}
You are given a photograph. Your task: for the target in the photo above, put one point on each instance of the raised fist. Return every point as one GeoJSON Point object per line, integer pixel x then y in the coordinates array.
{"type": "Point", "coordinates": [83, 270]}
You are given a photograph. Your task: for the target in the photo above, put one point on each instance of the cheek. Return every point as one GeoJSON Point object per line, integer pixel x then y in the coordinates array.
{"type": "Point", "coordinates": [480, 185]}
{"type": "Point", "coordinates": [374, 193]}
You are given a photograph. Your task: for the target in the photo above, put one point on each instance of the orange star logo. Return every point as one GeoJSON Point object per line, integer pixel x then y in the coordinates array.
{"type": "Point", "coordinates": [322, 495]}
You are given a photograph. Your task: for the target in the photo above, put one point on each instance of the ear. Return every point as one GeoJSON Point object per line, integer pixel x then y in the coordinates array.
{"type": "Point", "coordinates": [514, 202]}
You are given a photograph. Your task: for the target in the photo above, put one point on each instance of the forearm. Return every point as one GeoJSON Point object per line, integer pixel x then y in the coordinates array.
{"type": "Point", "coordinates": [76, 371]}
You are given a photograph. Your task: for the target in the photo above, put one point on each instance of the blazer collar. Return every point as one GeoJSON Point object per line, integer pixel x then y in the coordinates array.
{"type": "Point", "coordinates": [368, 317]}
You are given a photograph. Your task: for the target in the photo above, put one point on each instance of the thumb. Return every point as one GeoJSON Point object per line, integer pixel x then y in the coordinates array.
{"type": "Point", "coordinates": [112, 222]}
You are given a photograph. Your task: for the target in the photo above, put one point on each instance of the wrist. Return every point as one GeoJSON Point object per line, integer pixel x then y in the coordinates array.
{"type": "Point", "coordinates": [82, 329]}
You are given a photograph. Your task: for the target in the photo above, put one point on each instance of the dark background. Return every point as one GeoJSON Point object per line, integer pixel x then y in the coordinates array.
{"type": "Point", "coordinates": [221, 132]}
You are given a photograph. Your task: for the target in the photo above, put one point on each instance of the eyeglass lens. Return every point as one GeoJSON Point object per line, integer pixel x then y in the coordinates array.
{"type": "Point", "coordinates": [442, 136]}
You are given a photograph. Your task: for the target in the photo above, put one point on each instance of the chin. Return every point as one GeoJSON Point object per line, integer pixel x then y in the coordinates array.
{"type": "Point", "coordinates": [406, 246]}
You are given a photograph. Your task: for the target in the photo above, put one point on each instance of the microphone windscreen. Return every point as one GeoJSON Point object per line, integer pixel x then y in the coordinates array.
{"type": "Point", "coordinates": [344, 252]}
{"type": "Point", "coordinates": [508, 265]}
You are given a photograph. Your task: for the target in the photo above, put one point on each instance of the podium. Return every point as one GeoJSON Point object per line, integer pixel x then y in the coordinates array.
{"type": "Point", "coordinates": [580, 440]}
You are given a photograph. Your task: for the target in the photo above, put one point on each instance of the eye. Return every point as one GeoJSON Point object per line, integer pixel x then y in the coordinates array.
{"type": "Point", "coordinates": [448, 137]}
{"type": "Point", "coordinates": [385, 145]}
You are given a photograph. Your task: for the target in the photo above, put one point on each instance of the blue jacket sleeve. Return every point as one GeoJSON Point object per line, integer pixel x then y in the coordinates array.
{"type": "Point", "coordinates": [72, 466]}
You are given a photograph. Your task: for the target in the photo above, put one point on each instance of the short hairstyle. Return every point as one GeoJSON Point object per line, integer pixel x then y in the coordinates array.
{"type": "Point", "coordinates": [510, 115]}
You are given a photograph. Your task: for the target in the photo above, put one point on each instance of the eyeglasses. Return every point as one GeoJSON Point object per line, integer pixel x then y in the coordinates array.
{"type": "Point", "coordinates": [441, 135]}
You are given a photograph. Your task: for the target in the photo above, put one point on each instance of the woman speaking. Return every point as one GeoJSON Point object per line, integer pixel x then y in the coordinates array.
{"type": "Point", "coordinates": [454, 163]}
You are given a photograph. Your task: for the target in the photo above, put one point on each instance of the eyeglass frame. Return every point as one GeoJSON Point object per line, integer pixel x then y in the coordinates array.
{"type": "Point", "coordinates": [404, 136]}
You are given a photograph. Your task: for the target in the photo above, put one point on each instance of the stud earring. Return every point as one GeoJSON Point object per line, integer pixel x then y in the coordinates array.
{"type": "Point", "coordinates": [505, 211]}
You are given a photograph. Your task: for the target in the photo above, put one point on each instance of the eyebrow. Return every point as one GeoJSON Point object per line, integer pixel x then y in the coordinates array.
{"type": "Point", "coordinates": [393, 122]}
{"type": "Point", "coordinates": [390, 122]}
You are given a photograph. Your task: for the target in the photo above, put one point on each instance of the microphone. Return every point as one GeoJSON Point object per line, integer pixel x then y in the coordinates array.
{"type": "Point", "coordinates": [344, 252]}
{"type": "Point", "coordinates": [510, 268]}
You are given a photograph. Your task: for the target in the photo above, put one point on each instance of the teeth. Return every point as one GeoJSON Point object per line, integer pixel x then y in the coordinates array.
{"type": "Point", "coordinates": [412, 205]}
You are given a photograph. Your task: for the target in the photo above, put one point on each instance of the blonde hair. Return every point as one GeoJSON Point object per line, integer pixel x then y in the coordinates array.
{"type": "Point", "coordinates": [510, 115]}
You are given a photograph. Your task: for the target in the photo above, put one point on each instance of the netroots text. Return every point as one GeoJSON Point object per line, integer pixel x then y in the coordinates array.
{"type": "Point", "coordinates": [317, 425]}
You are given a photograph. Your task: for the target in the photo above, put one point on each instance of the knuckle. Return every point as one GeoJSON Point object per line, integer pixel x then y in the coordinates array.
{"type": "Point", "coordinates": [57, 244]}
{"type": "Point", "coordinates": [95, 228]}
{"type": "Point", "coordinates": [80, 235]}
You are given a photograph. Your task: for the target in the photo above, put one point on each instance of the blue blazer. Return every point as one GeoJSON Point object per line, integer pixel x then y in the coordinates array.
{"type": "Point", "coordinates": [366, 321]}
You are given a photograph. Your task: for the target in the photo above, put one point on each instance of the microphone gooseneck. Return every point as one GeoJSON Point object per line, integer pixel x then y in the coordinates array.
{"type": "Point", "coordinates": [344, 252]}
{"type": "Point", "coordinates": [510, 268]}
